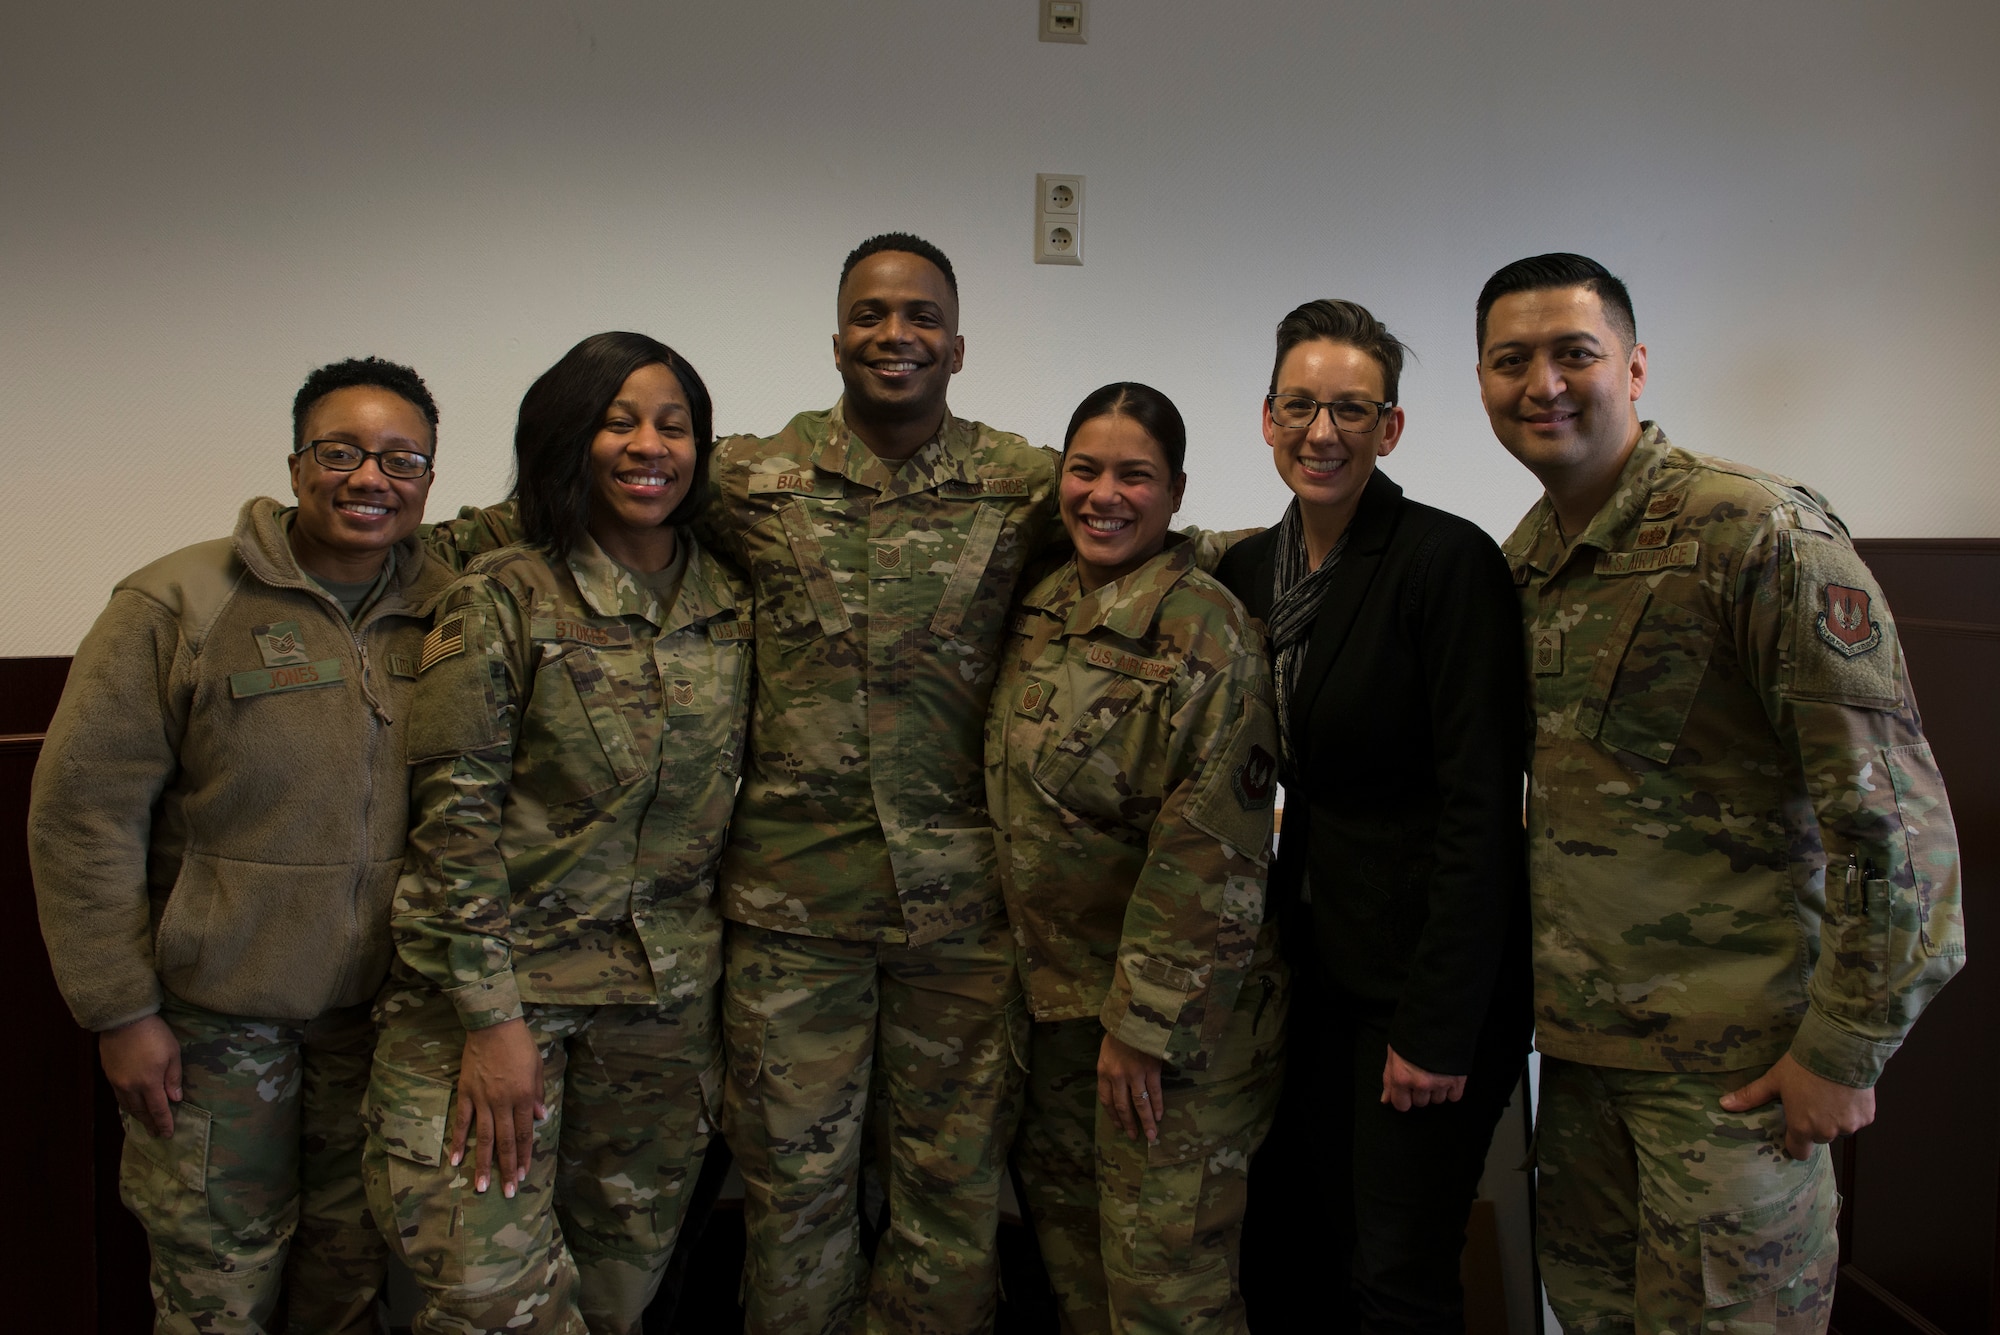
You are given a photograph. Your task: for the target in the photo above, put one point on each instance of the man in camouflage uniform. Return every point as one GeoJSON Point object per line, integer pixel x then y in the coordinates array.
{"type": "Point", "coordinates": [216, 828]}
{"type": "Point", "coordinates": [575, 755]}
{"type": "Point", "coordinates": [1131, 765]}
{"type": "Point", "coordinates": [1743, 867]}
{"type": "Point", "coordinates": [884, 539]}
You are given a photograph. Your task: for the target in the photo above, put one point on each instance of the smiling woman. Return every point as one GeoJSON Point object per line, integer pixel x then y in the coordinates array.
{"type": "Point", "coordinates": [551, 1014]}
{"type": "Point", "coordinates": [1130, 759]}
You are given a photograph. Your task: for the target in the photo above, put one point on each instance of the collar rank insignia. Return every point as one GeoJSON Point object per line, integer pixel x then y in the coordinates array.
{"type": "Point", "coordinates": [1548, 653]}
{"type": "Point", "coordinates": [1033, 698]}
{"type": "Point", "coordinates": [1845, 624]}
{"type": "Point", "coordinates": [1665, 505]}
{"type": "Point", "coordinates": [1255, 779]}
{"type": "Point", "coordinates": [281, 643]}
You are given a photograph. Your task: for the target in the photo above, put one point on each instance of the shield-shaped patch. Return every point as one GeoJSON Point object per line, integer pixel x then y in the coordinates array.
{"type": "Point", "coordinates": [1254, 780]}
{"type": "Point", "coordinates": [1845, 624]}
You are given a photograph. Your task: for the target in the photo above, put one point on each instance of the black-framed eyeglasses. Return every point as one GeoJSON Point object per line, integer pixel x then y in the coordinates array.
{"type": "Point", "coordinates": [341, 457]}
{"type": "Point", "coordinates": [1297, 412]}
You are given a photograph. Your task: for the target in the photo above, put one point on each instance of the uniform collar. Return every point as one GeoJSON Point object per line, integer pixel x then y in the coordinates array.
{"type": "Point", "coordinates": [263, 545]}
{"type": "Point", "coordinates": [945, 457]}
{"type": "Point", "coordinates": [1127, 606]}
{"type": "Point", "coordinates": [610, 590]}
{"type": "Point", "coordinates": [1536, 543]}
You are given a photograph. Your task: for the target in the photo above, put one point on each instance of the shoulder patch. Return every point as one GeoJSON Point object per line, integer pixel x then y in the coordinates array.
{"type": "Point", "coordinates": [1146, 669]}
{"type": "Point", "coordinates": [1233, 799]}
{"type": "Point", "coordinates": [1841, 636]}
{"type": "Point", "coordinates": [446, 639]}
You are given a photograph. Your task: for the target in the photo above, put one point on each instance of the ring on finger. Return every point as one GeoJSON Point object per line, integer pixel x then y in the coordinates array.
{"type": "Point", "coordinates": [1142, 1095]}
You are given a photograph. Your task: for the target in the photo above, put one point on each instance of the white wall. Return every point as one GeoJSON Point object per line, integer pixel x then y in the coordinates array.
{"type": "Point", "coordinates": [201, 202]}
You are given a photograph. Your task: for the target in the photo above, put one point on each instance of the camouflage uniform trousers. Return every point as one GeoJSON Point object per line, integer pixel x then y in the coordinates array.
{"type": "Point", "coordinates": [1660, 1212]}
{"type": "Point", "coordinates": [1140, 1237]}
{"type": "Point", "coordinates": [586, 1239]}
{"type": "Point", "coordinates": [940, 1032]}
{"type": "Point", "coordinates": [261, 1179]}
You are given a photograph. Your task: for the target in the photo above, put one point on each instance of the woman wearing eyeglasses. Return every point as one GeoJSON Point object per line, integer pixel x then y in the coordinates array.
{"type": "Point", "coordinates": [216, 829]}
{"type": "Point", "coordinates": [550, 1057]}
{"type": "Point", "coordinates": [1130, 768]}
{"type": "Point", "coordinates": [1399, 886]}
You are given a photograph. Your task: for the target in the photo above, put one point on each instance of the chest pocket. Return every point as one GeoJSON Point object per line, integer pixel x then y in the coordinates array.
{"type": "Point", "coordinates": [797, 598]}
{"type": "Point", "coordinates": [1646, 684]}
{"type": "Point", "coordinates": [587, 739]}
{"type": "Point", "coordinates": [1060, 763]}
{"type": "Point", "coordinates": [970, 570]}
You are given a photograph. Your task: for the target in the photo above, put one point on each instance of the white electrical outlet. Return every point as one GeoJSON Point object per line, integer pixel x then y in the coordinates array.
{"type": "Point", "coordinates": [1058, 219]}
{"type": "Point", "coordinates": [1062, 21]}
{"type": "Point", "coordinates": [1060, 194]}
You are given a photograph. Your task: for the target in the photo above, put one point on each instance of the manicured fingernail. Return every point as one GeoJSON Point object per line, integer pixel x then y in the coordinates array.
{"type": "Point", "coordinates": [458, 1158]}
{"type": "Point", "coordinates": [479, 1184]}
{"type": "Point", "coordinates": [507, 1189]}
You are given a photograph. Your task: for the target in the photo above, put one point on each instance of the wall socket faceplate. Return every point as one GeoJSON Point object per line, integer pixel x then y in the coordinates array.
{"type": "Point", "coordinates": [1062, 21]}
{"type": "Point", "coordinates": [1058, 218]}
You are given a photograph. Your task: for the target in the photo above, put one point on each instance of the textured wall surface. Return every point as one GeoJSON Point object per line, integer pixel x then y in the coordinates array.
{"type": "Point", "coordinates": [201, 202]}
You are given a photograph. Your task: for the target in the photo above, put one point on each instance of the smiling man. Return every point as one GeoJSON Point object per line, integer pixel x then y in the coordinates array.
{"type": "Point", "coordinates": [1742, 864]}
{"type": "Point", "coordinates": [216, 829]}
{"type": "Point", "coordinates": [868, 955]}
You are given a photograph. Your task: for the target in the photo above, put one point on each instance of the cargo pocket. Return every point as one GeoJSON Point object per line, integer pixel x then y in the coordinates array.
{"type": "Point", "coordinates": [1169, 1205]}
{"type": "Point", "coordinates": [164, 1181]}
{"type": "Point", "coordinates": [407, 1117]}
{"type": "Point", "coordinates": [743, 1034]}
{"type": "Point", "coordinates": [1749, 1254]}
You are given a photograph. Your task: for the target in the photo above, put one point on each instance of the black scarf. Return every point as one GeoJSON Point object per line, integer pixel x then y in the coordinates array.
{"type": "Point", "coordinates": [1297, 591]}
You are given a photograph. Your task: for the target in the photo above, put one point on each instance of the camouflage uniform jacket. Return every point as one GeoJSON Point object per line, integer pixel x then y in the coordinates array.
{"type": "Point", "coordinates": [882, 596]}
{"type": "Point", "coordinates": [220, 807]}
{"type": "Point", "coordinates": [1130, 767]}
{"type": "Point", "coordinates": [1739, 843]}
{"type": "Point", "coordinates": [575, 757]}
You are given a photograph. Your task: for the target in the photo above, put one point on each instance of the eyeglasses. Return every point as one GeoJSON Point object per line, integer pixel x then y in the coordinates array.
{"type": "Point", "coordinates": [341, 457]}
{"type": "Point", "coordinates": [1296, 412]}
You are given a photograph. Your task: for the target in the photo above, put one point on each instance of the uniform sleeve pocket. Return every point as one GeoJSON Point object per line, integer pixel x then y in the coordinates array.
{"type": "Point", "coordinates": [1931, 837]}
{"type": "Point", "coordinates": [408, 1114]}
{"type": "Point", "coordinates": [1239, 783]}
{"type": "Point", "coordinates": [455, 708]}
{"type": "Point", "coordinates": [1747, 1254]}
{"type": "Point", "coordinates": [1659, 672]}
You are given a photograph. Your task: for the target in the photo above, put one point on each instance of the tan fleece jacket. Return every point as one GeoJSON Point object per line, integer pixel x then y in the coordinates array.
{"type": "Point", "coordinates": [221, 804]}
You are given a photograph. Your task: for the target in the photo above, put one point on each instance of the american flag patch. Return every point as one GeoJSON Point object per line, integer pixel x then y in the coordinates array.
{"type": "Point", "coordinates": [446, 638]}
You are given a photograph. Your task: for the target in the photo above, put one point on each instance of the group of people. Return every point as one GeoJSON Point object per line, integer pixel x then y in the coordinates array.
{"type": "Point", "coordinates": [889, 791]}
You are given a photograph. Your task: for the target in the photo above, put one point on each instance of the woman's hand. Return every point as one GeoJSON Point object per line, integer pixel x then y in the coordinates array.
{"type": "Point", "coordinates": [500, 1100]}
{"type": "Point", "coordinates": [1128, 1083]}
{"type": "Point", "coordinates": [1408, 1086]}
{"type": "Point", "coordinates": [142, 1060]}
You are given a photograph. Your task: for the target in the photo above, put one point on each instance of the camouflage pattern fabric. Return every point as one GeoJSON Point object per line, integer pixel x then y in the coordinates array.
{"type": "Point", "coordinates": [584, 1242]}
{"type": "Point", "coordinates": [261, 1179]}
{"type": "Point", "coordinates": [1660, 1212]}
{"type": "Point", "coordinates": [882, 595]}
{"type": "Point", "coordinates": [801, 1019]}
{"type": "Point", "coordinates": [575, 746]}
{"type": "Point", "coordinates": [1130, 770]}
{"type": "Point", "coordinates": [475, 531]}
{"type": "Point", "coordinates": [1140, 1237]}
{"type": "Point", "coordinates": [1739, 841]}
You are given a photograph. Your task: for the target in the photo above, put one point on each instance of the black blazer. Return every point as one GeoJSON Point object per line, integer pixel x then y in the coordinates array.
{"type": "Point", "coordinates": [1408, 721]}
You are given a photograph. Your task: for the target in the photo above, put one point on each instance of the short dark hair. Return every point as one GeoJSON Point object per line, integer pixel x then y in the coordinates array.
{"type": "Point", "coordinates": [373, 371]}
{"type": "Point", "coordinates": [560, 416]}
{"type": "Point", "coordinates": [908, 245]}
{"type": "Point", "coordinates": [1559, 268]}
{"type": "Point", "coordinates": [1343, 322]}
{"type": "Point", "coordinates": [1153, 411]}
